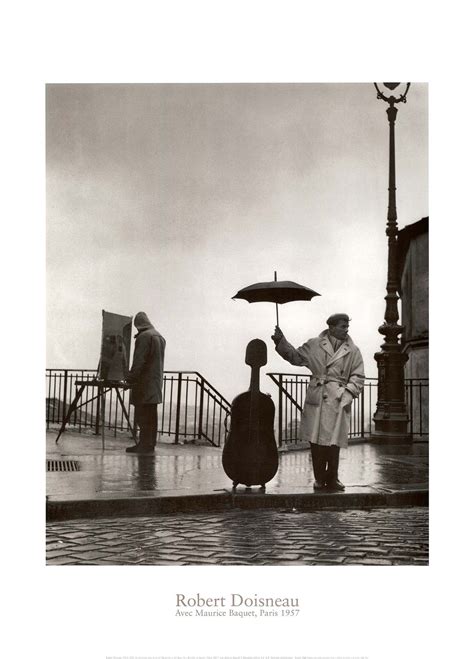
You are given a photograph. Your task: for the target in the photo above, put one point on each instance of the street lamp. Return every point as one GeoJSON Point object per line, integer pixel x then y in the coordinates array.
{"type": "Point", "coordinates": [391, 418]}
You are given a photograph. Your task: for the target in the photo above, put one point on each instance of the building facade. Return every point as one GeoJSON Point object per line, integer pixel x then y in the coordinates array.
{"type": "Point", "coordinates": [413, 255]}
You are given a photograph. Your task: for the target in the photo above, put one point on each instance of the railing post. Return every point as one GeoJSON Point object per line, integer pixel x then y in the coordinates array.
{"type": "Point", "coordinates": [362, 412]}
{"type": "Point", "coordinates": [65, 406]}
{"type": "Point", "coordinates": [201, 405]}
{"type": "Point", "coordinates": [97, 414]}
{"type": "Point", "coordinates": [178, 408]}
{"type": "Point", "coordinates": [420, 407]}
{"type": "Point", "coordinates": [102, 414]}
{"type": "Point", "coordinates": [280, 404]}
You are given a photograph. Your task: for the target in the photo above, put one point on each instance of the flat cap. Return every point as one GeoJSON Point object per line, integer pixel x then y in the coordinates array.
{"type": "Point", "coordinates": [336, 317]}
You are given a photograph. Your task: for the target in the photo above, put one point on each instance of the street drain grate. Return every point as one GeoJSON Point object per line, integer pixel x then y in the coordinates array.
{"type": "Point", "coordinates": [62, 465]}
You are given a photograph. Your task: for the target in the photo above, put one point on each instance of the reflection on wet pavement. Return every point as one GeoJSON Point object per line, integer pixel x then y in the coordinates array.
{"type": "Point", "coordinates": [199, 468]}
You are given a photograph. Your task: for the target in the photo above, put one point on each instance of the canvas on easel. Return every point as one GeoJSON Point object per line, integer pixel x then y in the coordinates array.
{"type": "Point", "coordinates": [111, 372]}
{"type": "Point", "coordinates": [115, 346]}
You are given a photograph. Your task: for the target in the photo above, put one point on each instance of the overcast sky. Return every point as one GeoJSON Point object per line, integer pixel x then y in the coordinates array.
{"type": "Point", "coordinates": [169, 198]}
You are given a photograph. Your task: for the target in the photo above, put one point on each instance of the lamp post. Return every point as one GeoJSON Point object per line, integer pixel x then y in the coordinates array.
{"type": "Point", "coordinates": [391, 418]}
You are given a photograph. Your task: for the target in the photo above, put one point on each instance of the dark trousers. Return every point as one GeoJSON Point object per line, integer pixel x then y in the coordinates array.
{"type": "Point", "coordinates": [147, 420]}
{"type": "Point", "coordinates": [325, 463]}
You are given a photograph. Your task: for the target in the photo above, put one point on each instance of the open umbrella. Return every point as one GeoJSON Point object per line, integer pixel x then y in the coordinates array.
{"type": "Point", "coordinates": [278, 292]}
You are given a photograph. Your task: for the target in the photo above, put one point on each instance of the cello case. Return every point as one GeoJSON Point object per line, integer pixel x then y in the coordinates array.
{"type": "Point", "coordinates": [250, 454]}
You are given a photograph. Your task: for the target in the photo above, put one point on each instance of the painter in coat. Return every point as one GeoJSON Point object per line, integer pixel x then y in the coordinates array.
{"type": "Point", "coordinates": [337, 377]}
{"type": "Point", "coordinates": [146, 380]}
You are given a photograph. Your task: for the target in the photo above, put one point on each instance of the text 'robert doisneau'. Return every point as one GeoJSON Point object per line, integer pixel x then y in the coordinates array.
{"type": "Point", "coordinates": [234, 601]}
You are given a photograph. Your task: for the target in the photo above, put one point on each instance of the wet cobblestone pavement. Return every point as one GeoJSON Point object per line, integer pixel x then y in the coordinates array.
{"type": "Point", "coordinates": [179, 470]}
{"type": "Point", "coordinates": [266, 537]}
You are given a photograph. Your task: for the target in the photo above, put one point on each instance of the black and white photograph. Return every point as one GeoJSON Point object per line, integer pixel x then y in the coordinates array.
{"type": "Point", "coordinates": [274, 407]}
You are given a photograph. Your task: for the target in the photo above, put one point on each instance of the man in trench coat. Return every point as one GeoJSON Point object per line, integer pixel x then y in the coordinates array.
{"type": "Point", "coordinates": [337, 377]}
{"type": "Point", "coordinates": [146, 379]}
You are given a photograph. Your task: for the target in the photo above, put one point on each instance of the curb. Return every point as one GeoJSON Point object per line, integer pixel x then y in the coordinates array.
{"type": "Point", "coordinates": [62, 510]}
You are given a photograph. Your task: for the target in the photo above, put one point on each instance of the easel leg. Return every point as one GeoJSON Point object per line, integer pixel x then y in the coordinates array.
{"type": "Point", "coordinates": [71, 409]}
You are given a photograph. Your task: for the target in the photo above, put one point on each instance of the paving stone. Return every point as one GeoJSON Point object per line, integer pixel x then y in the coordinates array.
{"type": "Point", "coordinates": [238, 554]}
{"type": "Point", "coordinates": [91, 555]}
{"type": "Point", "coordinates": [376, 551]}
{"type": "Point", "coordinates": [76, 534]}
{"type": "Point", "coordinates": [104, 561]}
{"type": "Point", "coordinates": [85, 541]}
{"type": "Point", "coordinates": [168, 541]}
{"type": "Point", "coordinates": [374, 561]}
{"type": "Point", "coordinates": [112, 543]}
{"type": "Point", "coordinates": [412, 552]}
{"type": "Point", "coordinates": [109, 536]}
{"type": "Point", "coordinates": [59, 560]}
{"type": "Point", "coordinates": [288, 556]}
{"type": "Point", "coordinates": [78, 560]}
{"type": "Point", "coordinates": [56, 544]}
{"type": "Point", "coordinates": [116, 550]}
{"type": "Point", "coordinates": [57, 552]}
{"type": "Point", "coordinates": [199, 553]}
{"type": "Point", "coordinates": [330, 558]}
{"type": "Point", "coordinates": [167, 557]}
{"type": "Point", "coordinates": [164, 561]}
{"type": "Point", "coordinates": [89, 546]}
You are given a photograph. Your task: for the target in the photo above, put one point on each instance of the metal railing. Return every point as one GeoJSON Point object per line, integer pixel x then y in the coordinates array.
{"type": "Point", "coordinates": [292, 392]}
{"type": "Point", "coordinates": [192, 407]}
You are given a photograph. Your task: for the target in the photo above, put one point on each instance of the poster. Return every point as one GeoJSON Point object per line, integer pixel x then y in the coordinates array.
{"type": "Point", "coordinates": [129, 612]}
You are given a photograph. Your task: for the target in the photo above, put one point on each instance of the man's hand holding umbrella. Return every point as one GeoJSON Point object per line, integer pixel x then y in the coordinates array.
{"type": "Point", "coordinates": [277, 336]}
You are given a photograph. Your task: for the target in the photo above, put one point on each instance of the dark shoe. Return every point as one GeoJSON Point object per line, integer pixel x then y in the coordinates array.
{"type": "Point", "coordinates": [318, 485]}
{"type": "Point", "coordinates": [336, 486]}
{"type": "Point", "coordinates": [140, 449]}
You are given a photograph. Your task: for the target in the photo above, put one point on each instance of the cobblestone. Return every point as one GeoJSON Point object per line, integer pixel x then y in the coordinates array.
{"type": "Point", "coordinates": [239, 537]}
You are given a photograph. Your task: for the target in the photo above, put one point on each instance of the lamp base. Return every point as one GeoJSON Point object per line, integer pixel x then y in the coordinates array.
{"type": "Point", "coordinates": [390, 438]}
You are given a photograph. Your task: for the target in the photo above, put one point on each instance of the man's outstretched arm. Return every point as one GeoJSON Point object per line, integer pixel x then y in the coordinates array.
{"type": "Point", "coordinates": [287, 351]}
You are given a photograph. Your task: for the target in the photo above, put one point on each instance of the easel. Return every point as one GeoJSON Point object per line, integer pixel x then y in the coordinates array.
{"type": "Point", "coordinates": [104, 386]}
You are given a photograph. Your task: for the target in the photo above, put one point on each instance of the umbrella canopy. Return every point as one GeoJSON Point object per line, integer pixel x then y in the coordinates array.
{"type": "Point", "coordinates": [278, 292]}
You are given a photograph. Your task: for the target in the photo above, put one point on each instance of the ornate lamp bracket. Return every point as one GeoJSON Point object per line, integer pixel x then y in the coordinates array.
{"type": "Point", "coordinates": [391, 99]}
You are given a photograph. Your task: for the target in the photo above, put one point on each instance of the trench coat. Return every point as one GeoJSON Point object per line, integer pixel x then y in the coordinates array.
{"type": "Point", "coordinates": [336, 379]}
{"type": "Point", "coordinates": [146, 374]}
